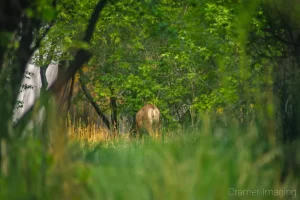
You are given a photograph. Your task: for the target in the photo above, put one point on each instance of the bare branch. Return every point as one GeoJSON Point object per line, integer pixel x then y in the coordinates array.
{"type": "Point", "coordinates": [91, 100]}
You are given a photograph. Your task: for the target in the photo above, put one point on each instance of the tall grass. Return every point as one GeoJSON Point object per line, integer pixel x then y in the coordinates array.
{"type": "Point", "coordinates": [85, 162]}
{"type": "Point", "coordinates": [187, 166]}
{"type": "Point", "coordinates": [208, 163]}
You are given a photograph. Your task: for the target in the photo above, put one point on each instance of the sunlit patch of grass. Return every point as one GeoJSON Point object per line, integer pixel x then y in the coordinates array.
{"type": "Point", "coordinates": [92, 133]}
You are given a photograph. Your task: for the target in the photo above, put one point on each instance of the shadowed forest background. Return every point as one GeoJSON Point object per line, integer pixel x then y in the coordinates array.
{"type": "Point", "coordinates": [223, 73]}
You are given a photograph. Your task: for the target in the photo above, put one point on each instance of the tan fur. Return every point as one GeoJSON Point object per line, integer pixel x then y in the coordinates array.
{"type": "Point", "coordinates": [148, 119]}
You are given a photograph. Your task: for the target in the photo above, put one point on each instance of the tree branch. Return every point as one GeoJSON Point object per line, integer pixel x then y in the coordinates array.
{"type": "Point", "coordinates": [70, 93]}
{"type": "Point", "coordinates": [91, 100]}
{"type": "Point", "coordinates": [278, 37]}
{"type": "Point", "coordinates": [81, 57]}
{"type": "Point", "coordinates": [39, 40]}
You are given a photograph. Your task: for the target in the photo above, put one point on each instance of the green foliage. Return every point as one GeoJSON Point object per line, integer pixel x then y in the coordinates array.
{"type": "Point", "coordinates": [190, 58]}
{"type": "Point", "coordinates": [180, 55]}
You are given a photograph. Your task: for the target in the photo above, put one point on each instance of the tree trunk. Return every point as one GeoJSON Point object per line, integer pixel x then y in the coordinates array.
{"type": "Point", "coordinates": [91, 100]}
{"type": "Point", "coordinates": [114, 114]}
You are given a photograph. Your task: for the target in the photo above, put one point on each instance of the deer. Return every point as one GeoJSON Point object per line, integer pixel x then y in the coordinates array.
{"type": "Point", "coordinates": [148, 120]}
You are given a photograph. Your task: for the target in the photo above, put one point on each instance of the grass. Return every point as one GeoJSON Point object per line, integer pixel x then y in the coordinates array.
{"type": "Point", "coordinates": [206, 164]}
{"type": "Point", "coordinates": [223, 164]}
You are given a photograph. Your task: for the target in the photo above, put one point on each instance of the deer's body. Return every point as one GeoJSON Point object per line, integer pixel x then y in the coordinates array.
{"type": "Point", "coordinates": [148, 119]}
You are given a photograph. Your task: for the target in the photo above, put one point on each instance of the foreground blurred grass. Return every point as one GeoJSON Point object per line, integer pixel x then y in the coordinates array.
{"type": "Point", "coordinates": [210, 163]}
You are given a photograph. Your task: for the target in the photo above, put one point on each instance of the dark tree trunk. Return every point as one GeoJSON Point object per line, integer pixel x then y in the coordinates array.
{"type": "Point", "coordinates": [71, 93]}
{"type": "Point", "coordinates": [114, 114]}
{"type": "Point", "coordinates": [91, 100]}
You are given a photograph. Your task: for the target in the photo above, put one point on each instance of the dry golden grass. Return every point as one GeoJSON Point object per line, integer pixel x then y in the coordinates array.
{"type": "Point", "coordinates": [92, 133]}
